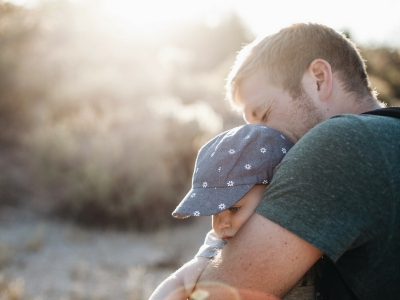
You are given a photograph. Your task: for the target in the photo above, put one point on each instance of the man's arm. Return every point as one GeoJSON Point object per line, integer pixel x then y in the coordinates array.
{"type": "Point", "coordinates": [262, 261]}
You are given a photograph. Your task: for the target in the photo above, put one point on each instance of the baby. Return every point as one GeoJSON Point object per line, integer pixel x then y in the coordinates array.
{"type": "Point", "coordinates": [230, 176]}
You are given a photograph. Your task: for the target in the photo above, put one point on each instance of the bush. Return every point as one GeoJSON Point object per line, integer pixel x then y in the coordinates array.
{"type": "Point", "coordinates": [18, 28]}
{"type": "Point", "coordinates": [76, 84]}
{"type": "Point", "coordinates": [107, 170]}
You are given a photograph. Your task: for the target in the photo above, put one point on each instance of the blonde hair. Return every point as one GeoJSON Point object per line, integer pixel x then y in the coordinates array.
{"type": "Point", "coordinates": [286, 55]}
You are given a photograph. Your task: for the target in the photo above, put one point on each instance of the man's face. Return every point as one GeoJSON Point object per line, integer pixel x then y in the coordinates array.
{"type": "Point", "coordinates": [264, 103]}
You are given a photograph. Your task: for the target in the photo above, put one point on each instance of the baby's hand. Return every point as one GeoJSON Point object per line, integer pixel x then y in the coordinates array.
{"type": "Point", "coordinates": [199, 295]}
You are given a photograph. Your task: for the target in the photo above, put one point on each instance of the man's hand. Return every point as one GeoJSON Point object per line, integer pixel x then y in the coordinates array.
{"type": "Point", "coordinates": [262, 261]}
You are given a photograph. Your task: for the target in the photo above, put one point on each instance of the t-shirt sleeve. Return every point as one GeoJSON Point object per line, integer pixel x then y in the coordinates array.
{"type": "Point", "coordinates": [324, 189]}
{"type": "Point", "coordinates": [212, 244]}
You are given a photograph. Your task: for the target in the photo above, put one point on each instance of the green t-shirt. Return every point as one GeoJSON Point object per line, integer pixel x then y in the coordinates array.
{"type": "Point", "coordinates": [338, 188]}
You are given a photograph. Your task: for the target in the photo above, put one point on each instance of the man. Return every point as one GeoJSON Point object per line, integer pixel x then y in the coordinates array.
{"type": "Point", "coordinates": [337, 191]}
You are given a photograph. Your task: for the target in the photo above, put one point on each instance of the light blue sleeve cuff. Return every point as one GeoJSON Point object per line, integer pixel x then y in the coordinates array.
{"type": "Point", "coordinates": [212, 244]}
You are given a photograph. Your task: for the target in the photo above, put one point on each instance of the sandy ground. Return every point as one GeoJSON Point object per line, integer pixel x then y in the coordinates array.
{"type": "Point", "coordinates": [42, 258]}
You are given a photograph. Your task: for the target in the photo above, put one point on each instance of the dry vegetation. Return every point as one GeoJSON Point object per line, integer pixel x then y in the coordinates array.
{"type": "Point", "coordinates": [50, 260]}
{"type": "Point", "coordinates": [108, 121]}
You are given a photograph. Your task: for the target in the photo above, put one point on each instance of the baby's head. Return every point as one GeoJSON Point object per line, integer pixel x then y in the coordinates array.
{"type": "Point", "coordinates": [230, 176]}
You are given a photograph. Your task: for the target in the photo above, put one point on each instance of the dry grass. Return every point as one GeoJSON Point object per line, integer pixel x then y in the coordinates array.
{"type": "Point", "coordinates": [45, 259]}
{"type": "Point", "coordinates": [36, 242]}
{"type": "Point", "coordinates": [135, 282]}
{"type": "Point", "coordinates": [89, 282]}
{"type": "Point", "coordinates": [6, 254]}
{"type": "Point", "coordinates": [11, 289]}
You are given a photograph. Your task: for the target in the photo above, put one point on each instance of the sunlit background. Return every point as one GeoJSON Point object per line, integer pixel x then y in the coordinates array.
{"type": "Point", "coordinates": [103, 107]}
{"type": "Point", "coordinates": [373, 22]}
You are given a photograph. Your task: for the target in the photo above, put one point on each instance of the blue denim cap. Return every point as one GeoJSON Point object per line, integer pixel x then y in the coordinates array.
{"type": "Point", "coordinates": [229, 165]}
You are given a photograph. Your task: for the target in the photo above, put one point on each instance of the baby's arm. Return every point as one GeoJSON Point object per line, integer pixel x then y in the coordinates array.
{"type": "Point", "coordinates": [180, 284]}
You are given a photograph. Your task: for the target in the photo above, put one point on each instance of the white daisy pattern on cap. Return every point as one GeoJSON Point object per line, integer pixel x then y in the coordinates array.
{"type": "Point", "coordinates": [246, 156]}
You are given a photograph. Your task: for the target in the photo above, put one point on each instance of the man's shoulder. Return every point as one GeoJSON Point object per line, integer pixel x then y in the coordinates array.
{"type": "Point", "coordinates": [352, 126]}
{"type": "Point", "coordinates": [356, 120]}
{"type": "Point", "coordinates": [333, 131]}
{"type": "Point", "coordinates": [349, 137]}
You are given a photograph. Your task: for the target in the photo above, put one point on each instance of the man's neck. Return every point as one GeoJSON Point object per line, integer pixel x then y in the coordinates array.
{"type": "Point", "coordinates": [351, 106]}
{"type": "Point", "coordinates": [367, 105]}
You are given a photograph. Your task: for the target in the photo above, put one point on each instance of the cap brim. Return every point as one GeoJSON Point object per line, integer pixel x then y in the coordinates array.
{"type": "Point", "coordinates": [209, 201]}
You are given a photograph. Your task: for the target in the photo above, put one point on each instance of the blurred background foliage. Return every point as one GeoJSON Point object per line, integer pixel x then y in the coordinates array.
{"type": "Point", "coordinates": [100, 124]}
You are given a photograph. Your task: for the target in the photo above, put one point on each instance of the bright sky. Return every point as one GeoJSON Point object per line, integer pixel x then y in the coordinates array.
{"type": "Point", "coordinates": [367, 21]}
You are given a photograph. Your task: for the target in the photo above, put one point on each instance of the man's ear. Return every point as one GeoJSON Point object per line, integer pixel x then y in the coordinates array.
{"type": "Point", "coordinates": [321, 74]}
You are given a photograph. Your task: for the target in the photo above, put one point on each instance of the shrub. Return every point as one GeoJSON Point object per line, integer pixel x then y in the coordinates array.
{"type": "Point", "coordinates": [18, 29]}
{"type": "Point", "coordinates": [109, 170]}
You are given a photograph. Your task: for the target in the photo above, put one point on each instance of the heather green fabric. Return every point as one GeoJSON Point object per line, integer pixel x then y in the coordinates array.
{"type": "Point", "coordinates": [339, 189]}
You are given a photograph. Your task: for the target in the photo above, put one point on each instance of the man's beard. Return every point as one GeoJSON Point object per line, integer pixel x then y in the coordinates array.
{"type": "Point", "coordinates": [307, 115]}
